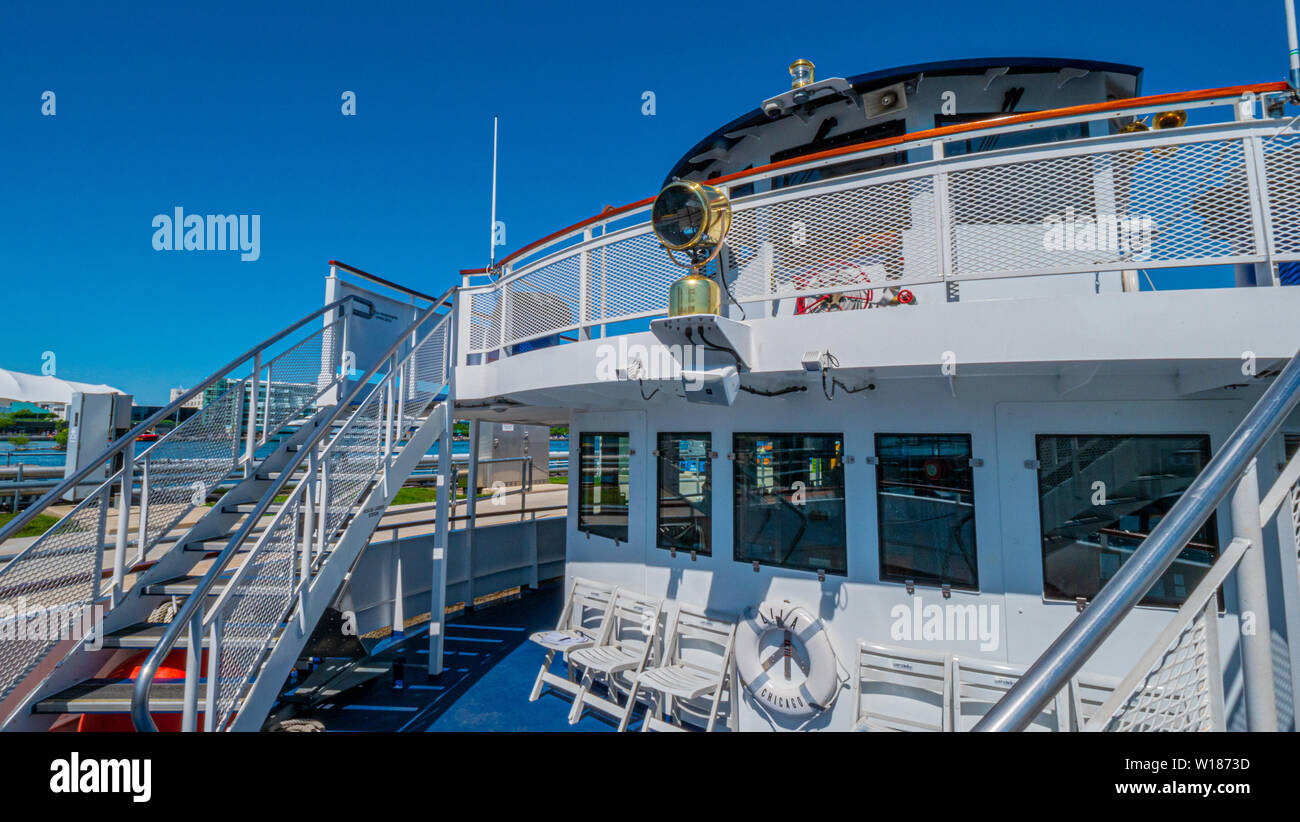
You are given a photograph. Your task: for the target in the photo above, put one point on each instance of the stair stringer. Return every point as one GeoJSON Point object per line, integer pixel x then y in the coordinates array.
{"type": "Point", "coordinates": [265, 689]}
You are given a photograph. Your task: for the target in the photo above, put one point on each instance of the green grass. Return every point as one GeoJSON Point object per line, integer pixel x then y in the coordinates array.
{"type": "Point", "coordinates": [35, 528]}
{"type": "Point", "coordinates": [412, 495]}
{"type": "Point", "coordinates": [559, 480]}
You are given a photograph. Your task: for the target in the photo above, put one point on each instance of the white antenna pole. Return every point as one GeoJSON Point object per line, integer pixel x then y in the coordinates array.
{"type": "Point", "coordinates": [1293, 49]}
{"type": "Point", "coordinates": [492, 233]}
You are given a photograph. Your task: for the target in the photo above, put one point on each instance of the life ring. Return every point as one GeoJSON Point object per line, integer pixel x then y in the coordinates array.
{"type": "Point", "coordinates": [772, 681]}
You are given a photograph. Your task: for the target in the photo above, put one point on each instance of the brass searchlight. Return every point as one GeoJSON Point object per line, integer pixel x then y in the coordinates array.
{"type": "Point", "coordinates": [693, 218]}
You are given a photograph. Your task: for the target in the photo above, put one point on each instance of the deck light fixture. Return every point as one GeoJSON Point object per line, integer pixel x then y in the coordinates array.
{"type": "Point", "coordinates": [693, 218]}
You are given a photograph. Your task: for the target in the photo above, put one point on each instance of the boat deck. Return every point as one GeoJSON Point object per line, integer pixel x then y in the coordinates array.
{"type": "Point", "coordinates": [490, 669]}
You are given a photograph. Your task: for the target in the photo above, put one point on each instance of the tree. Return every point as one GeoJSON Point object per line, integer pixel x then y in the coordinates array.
{"type": "Point", "coordinates": [19, 440]}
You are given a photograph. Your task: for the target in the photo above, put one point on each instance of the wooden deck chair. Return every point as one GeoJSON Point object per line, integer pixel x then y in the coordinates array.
{"type": "Point", "coordinates": [1088, 692]}
{"type": "Point", "coordinates": [583, 622]}
{"type": "Point", "coordinates": [628, 648]}
{"type": "Point", "coordinates": [926, 676]}
{"type": "Point", "coordinates": [981, 682]}
{"type": "Point", "coordinates": [698, 664]}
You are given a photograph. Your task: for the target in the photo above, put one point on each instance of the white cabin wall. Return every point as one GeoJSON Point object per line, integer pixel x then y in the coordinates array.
{"type": "Point", "coordinates": [1002, 415]}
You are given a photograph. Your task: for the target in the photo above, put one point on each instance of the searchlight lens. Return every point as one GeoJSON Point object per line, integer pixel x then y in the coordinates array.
{"type": "Point", "coordinates": [679, 215]}
{"type": "Point", "coordinates": [690, 215]}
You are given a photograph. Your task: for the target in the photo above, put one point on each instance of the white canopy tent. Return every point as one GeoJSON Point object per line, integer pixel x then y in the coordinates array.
{"type": "Point", "coordinates": [34, 388]}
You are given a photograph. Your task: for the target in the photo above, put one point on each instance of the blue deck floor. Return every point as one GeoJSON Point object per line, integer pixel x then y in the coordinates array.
{"type": "Point", "coordinates": [490, 669]}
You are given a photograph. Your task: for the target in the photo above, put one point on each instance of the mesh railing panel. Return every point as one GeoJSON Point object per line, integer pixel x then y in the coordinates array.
{"type": "Point", "coordinates": [260, 598]}
{"type": "Point", "coordinates": [629, 276]}
{"type": "Point", "coordinates": [1117, 208]}
{"type": "Point", "coordinates": [1282, 174]}
{"type": "Point", "coordinates": [1088, 208]}
{"type": "Point", "coordinates": [183, 468]}
{"type": "Point", "coordinates": [1176, 694]}
{"type": "Point", "coordinates": [544, 300]}
{"type": "Point", "coordinates": [872, 236]}
{"type": "Point", "coordinates": [484, 320]}
{"type": "Point", "coordinates": [295, 377]}
{"type": "Point", "coordinates": [58, 571]}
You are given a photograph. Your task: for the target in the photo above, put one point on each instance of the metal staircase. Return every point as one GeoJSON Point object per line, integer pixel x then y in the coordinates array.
{"type": "Point", "coordinates": [314, 461]}
{"type": "Point", "coordinates": [243, 622]}
{"type": "Point", "coordinates": [135, 528]}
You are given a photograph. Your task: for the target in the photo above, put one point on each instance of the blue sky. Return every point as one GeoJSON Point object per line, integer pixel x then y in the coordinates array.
{"type": "Point", "coordinates": [234, 108]}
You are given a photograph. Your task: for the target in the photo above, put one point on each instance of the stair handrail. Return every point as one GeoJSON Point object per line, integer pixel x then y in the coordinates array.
{"type": "Point", "coordinates": [140, 717]}
{"type": "Point", "coordinates": [117, 446]}
{"type": "Point", "coordinates": [1064, 658]}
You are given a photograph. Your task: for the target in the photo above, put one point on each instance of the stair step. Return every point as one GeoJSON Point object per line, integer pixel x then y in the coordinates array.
{"type": "Point", "coordinates": [145, 635]}
{"type": "Point", "coordinates": [111, 696]}
{"type": "Point", "coordinates": [186, 585]}
{"type": "Point", "coordinates": [247, 508]}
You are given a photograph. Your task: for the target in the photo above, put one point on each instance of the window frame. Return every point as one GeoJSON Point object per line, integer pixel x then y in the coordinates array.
{"type": "Point", "coordinates": [735, 500]}
{"type": "Point", "coordinates": [707, 436]}
{"type": "Point", "coordinates": [1211, 524]}
{"type": "Point", "coordinates": [915, 579]}
{"type": "Point", "coordinates": [583, 484]}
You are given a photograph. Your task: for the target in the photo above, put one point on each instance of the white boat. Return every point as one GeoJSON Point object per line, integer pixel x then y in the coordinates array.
{"type": "Point", "coordinates": [877, 420]}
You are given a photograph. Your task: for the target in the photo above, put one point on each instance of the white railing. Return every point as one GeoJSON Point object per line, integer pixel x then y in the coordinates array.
{"type": "Point", "coordinates": [278, 572]}
{"type": "Point", "coordinates": [1177, 684]}
{"type": "Point", "coordinates": [1199, 195]}
{"type": "Point", "coordinates": [68, 568]}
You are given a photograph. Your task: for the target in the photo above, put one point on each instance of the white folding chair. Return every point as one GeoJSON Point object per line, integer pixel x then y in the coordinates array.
{"type": "Point", "coordinates": [698, 664]}
{"type": "Point", "coordinates": [926, 676]}
{"type": "Point", "coordinates": [979, 682]}
{"type": "Point", "coordinates": [583, 622]}
{"type": "Point", "coordinates": [628, 647]}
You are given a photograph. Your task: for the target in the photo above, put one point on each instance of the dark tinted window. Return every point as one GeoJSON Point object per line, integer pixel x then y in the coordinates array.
{"type": "Point", "coordinates": [603, 484]}
{"type": "Point", "coordinates": [789, 501]}
{"type": "Point", "coordinates": [1100, 496]}
{"type": "Point", "coordinates": [925, 503]}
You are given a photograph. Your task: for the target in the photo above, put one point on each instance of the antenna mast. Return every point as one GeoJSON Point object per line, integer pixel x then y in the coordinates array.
{"type": "Point", "coordinates": [492, 227]}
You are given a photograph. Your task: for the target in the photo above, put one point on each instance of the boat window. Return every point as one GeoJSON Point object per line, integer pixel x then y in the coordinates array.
{"type": "Point", "coordinates": [1100, 496]}
{"type": "Point", "coordinates": [685, 492]}
{"type": "Point", "coordinates": [603, 484]}
{"type": "Point", "coordinates": [789, 501]}
{"type": "Point", "coordinates": [1010, 139]}
{"type": "Point", "coordinates": [925, 504]}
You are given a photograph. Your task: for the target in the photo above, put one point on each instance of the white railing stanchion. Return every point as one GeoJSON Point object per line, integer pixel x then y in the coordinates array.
{"type": "Point", "coordinates": [142, 533]}
{"type": "Point", "coordinates": [214, 672]}
{"type": "Point", "coordinates": [193, 672]}
{"type": "Point", "coordinates": [250, 437]}
{"type": "Point", "coordinates": [1252, 593]}
{"type": "Point", "coordinates": [125, 490]}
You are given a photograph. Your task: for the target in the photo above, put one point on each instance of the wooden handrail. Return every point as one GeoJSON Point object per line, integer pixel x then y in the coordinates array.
{"type": "Point", "coordinates": [927, 134]}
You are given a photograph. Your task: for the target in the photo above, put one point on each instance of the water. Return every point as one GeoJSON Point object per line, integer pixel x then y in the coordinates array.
{"type": "Point", "coordinates": [36, 452]}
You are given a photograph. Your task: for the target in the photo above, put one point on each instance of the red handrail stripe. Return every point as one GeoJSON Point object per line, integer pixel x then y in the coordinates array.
{"type": "Point", "coordinates": [942, 131]}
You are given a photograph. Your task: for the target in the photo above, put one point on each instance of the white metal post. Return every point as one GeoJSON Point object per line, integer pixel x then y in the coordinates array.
{"type": "Point", "coordinates": [214, 673]}
{"type": "Point", "coordinates": [250, 436]}
{"type": "Point", "coordinates": [266, 407]}
{"type": "Point", "coordinates": [123, 520]}
{"type": "Point", "coordinates": [142, 534]}
{"type": "Point", "coordinates": [1293, 50]}
{"type": "Point", "coordinates": [1252, 591]}
{"type": "Point", "coordinates": [471, 496]}
{"type": "Point", "coordinates": [443, 509]}
{"type": "Point", "coordinates": [193, 658]}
